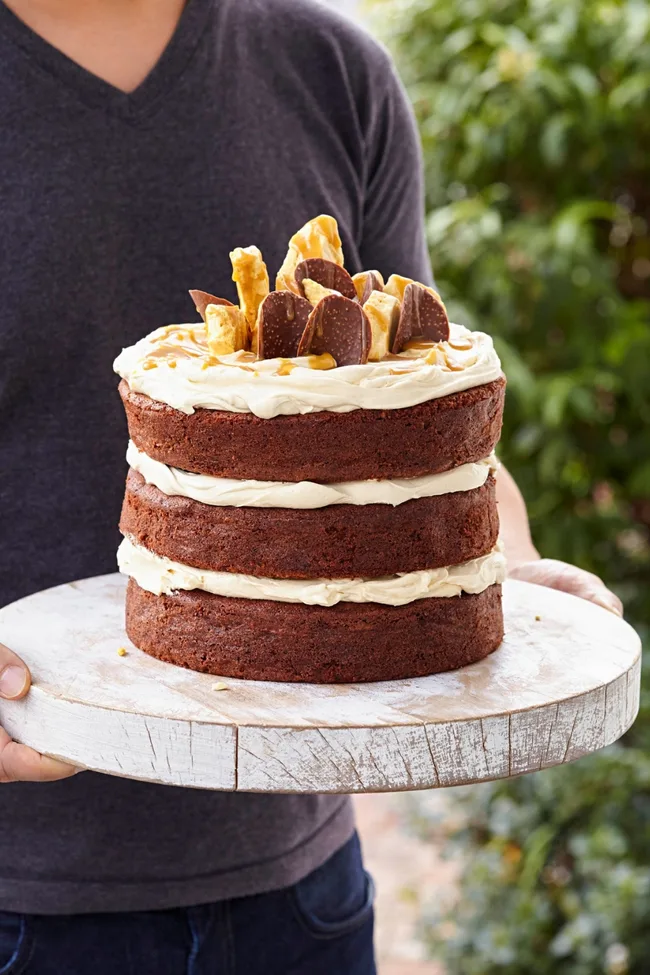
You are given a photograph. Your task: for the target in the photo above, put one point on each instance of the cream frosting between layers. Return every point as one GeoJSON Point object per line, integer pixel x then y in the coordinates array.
{"type": "Point", "coordinates": [221, 491]}
{"type": "Point", "coordinates": [160, 576]}
{"type": "Point", "coordinates": [266, 389]}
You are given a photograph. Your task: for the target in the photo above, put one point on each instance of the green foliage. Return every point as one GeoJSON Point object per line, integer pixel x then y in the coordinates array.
{"type": "Point", "coordinates": [557, 879]}
{"type": "Point", "coordinates": [535, 121]}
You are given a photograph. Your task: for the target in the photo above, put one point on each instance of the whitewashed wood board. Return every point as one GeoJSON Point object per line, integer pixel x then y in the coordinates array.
{"type": "Point", "coordinates": [565, 682]}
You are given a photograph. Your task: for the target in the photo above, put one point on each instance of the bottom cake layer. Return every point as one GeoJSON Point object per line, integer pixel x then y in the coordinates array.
{"type": "Point", "coordinates": [346, 643]}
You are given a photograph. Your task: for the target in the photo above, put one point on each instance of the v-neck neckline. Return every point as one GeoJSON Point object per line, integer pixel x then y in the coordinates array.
{"type": "Point", "coordinates": [94, 90]}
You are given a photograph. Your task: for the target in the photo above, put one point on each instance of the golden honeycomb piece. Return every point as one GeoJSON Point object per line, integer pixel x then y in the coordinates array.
{"type": "Point", "coordinates": [226, 328]}
{"type": "Point", "coordinates": [252, 279]}
{"type": "Point", "coordinates": [315, 291]}
{"type": "Point", "coordinates": [318, 238]}
{"type": "Point", "coordinates": [361, 280]}
{"type": "Point", "coordinates": [396, 286]}
{"type": "Point", "coordinates": [383, 314]}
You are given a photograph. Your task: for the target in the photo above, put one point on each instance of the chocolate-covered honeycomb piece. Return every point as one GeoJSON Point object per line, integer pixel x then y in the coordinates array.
{"type": "Point", "coordinates": [202, 299]}
{"type": "Point", "coordinates": [422, 316]}
{"type": "Point", "coordinates": [252, 279]}
{"type": "Point", "coordinates": [383, 313]}
{"type": "Point", "coordinates": [365, 282]}
{"type": "Point", "coordinates": [281, 322]}
{"type": "Point", "coordinates": [339, 326]}
{"type": "Point", "coordinates": [318, 238]}
{"type": "Point", "coordinates": [326, 273]}
{"type": "Point", "coordinates": [226, 329]}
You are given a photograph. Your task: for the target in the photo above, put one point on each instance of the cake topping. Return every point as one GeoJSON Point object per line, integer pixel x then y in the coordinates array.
{"type": "Point", "coordinates": [202, 299]}
{"type": "Point", "coordinates": [315, 291]}
{"type": "Point", "coordinates": [339, 326]}
{"type": "Point", "coordinates": [423, 316]}
{"type": "Point", "coordinates": [226, 329]}
{"type": "Point", "coordinates": [398, 311]}
{"type": "Point", "coordinates": [396, 286]}
{"type": "Point", "coordinates": [252, 279]}
{"type": "Point", "coordinates": [281, 322]}
{"type": "Point", "coordinates": [383, 313]}
{"type": "Point", "coordinates": [318, 238]}
{"type": "Point", "coordinates": [326, 273]}
{"type": "Point", "coordinates": [379, 346]}
{"type": "Point", "coordinates": [366, 282]}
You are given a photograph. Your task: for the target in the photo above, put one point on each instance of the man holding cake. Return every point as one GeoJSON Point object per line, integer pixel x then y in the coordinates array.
{"type": "Point", "coordinates": [311, 486]}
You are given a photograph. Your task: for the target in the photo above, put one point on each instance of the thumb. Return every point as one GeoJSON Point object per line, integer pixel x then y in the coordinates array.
{"type": "Point", "coordinates": [15, 678]}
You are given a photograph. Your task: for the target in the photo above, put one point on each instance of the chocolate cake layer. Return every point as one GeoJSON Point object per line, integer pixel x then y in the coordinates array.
{"type": "Point", "coordinates": [346, 643]}
{"type": "Point", "coordinates": [327, 447]}
{"type": "Point", "coordinates": [335, 542]}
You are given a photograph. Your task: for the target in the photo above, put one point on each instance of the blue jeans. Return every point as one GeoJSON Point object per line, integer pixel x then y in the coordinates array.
{"type": "Point", "coordinates": [321, 926]}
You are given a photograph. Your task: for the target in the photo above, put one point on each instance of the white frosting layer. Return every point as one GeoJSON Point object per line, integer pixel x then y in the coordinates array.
{"type": "Point", "coordinates": [221, 491]}
{"type": "Point", "coordinates": [234, 384]}
{"type": "Point", "coordinates": [160, 575]}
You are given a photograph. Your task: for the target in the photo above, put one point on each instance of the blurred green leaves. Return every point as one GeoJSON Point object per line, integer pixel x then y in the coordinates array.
{"type": "Point", "coordinates": [535, 120]}
{"type": "Point", "coordinates": [535, 123]}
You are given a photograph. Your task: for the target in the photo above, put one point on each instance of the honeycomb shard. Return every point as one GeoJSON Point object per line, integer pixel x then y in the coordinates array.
{"type": "Point", "coordinates": [226, 329]}
{"type": "Point", "coordinates": [383, 311]}
{"type": "Point", "coordinates": [252, 279]}
{"type": "Point", "coordinates": [365, 282]}
{"type": "Point", "coordinates": [318, 238]}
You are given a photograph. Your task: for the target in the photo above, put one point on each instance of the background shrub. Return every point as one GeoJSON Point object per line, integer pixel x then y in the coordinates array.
{"type": "Point", "coordinates": [535, 121]}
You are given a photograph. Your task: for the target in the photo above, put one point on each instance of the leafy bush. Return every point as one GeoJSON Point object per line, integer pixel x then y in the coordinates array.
{"type": "Point", "coordinates": [535, 121]}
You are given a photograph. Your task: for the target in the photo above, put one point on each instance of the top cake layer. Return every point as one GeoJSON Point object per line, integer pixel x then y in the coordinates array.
{"type": "Point", "coordinates": [364, 379]}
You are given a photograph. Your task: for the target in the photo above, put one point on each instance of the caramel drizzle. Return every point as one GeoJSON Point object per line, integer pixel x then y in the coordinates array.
{"type": "Point", "coordinates": [190, 343]}
{"type": "Point", "coordinates": [286, 367]}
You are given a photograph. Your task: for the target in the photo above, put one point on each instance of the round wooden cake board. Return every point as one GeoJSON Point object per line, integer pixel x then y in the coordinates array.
{"type": "Point", "coordinates": [565, 682]}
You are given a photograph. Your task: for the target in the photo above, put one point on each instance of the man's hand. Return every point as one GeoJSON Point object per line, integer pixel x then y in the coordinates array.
{"type": "Point", "coordinates": [523, 558]}
{"type": "Point", "coordinates": [568, 578]}
{"type": "Point", "coordinates": [18, 763]}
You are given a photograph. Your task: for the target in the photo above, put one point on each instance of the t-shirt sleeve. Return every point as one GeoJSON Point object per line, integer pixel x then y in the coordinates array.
{"type": "Point", "coordinates": [393, 236]}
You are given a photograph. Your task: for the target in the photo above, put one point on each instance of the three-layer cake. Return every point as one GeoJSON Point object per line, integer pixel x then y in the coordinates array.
{"type": "Point", "coordinates": [311, 492]}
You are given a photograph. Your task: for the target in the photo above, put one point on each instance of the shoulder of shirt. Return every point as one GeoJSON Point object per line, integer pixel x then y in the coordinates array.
{"type": "Point", "coordinates": [315, 26]}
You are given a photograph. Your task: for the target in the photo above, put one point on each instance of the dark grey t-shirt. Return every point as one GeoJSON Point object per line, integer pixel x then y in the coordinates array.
{"type": "Point", "coordinates": [260, 115]}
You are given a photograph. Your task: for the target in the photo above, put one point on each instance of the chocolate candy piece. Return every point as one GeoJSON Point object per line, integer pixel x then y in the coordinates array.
{"type": "Point", "coordinates": [202, 299]}
{"type": "Point", "coordinates": [281, 322]}
{"type": "Point", "coordinates": [372, 283]}
{"type": "Point", "coordinates": [327, 273]}
{"type": "Point", "coordinates": [423, 316]}
{"type": "Point", "coordinates": [339, 326]}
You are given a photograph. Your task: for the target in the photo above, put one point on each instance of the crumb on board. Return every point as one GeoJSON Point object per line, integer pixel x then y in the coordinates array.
{"type": "Point", "coordinates": [122, 652]}
{"type": "Point", "coordinates": [220, 686]}
{"type": "Point", "coordinates": [538, 619]}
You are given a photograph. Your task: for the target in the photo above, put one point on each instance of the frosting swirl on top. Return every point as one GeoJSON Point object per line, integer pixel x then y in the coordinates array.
{"type": "Point", "coordinates": [172, 365]}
